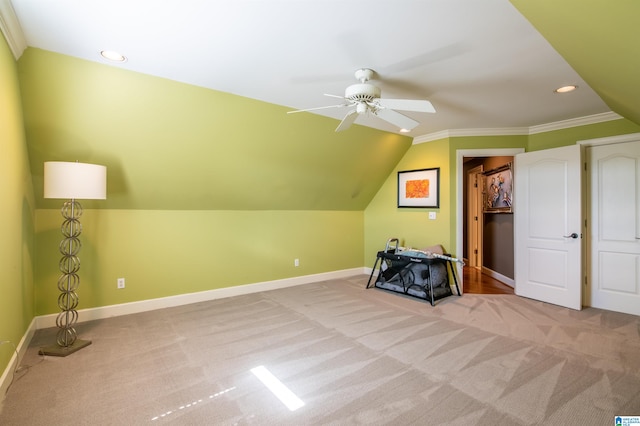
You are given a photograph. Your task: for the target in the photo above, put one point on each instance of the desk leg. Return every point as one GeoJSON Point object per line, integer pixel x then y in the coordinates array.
{"type": "Point", "coordinates": [373, 271]}
{"type": "Point", "coordinates": [453, 273]}
{"type": "Point", "coordinates": [433, 300]}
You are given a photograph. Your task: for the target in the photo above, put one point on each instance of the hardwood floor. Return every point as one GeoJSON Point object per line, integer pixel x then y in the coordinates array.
{"type": "Point", "coordinates": [479, 283]}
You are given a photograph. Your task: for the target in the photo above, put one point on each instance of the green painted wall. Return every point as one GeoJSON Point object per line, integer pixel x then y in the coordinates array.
{"type": "Point", "coordinates": [173, 146]}
{"type": "Point", "coordinates": [206, 189]}
{"type": "Point", "coordinates": [384, 220]}
{"type": "Point", "coordinates": [16, 215]}
{"type": "Point", "coordinates": [599, 39]}
{"type": "Point", "coordinates": [171, 252]}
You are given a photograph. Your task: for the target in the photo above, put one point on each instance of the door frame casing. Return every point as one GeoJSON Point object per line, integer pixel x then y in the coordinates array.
{"type": "Point", "coordinates": [474, 196]}
{"type": "Point", "coordinates": [609, 140]}
{"type": "Point", "coordinates": [460, 180]}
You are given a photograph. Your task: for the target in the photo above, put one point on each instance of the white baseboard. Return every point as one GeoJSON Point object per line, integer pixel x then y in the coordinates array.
{"type": "Point", "coordinates": [91, 314]}
{"type": "Point", "coordinates": [493, 274]}
{"type": "Point", "coordinates": [46, 321]}
{"type": "Point", "coordinates": [20, 349]}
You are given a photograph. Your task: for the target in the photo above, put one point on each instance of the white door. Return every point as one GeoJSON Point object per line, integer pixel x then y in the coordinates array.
{"type": "Point", "coordinates": [548, 225]}
{"type": "Point", "coordinates": [614, 237]}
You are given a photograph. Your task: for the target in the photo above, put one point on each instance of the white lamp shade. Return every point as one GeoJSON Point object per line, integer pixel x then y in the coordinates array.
{"type": "Point", "coordinates": [75, 180]}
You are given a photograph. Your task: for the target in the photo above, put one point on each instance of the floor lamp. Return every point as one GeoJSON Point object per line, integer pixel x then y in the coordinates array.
{"type": "Point", "coordinates": [71, 181]}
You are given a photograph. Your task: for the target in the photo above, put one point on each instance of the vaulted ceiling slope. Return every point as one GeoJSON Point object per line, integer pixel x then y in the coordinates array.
{"type": "Point", "coordinates": [481, 63]}
{"type": "Point", "coordinates": [600, 40]}
{"type": "Point", "coordinates": [171, 146]}
{"type": "Point", "coordinates": [196, 118]}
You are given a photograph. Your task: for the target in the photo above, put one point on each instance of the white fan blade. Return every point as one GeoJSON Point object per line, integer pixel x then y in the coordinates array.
{"type": "Point", "coordinates": [347, 121]}
{"type": "Point", "coordinates": [397, 119]}
{"type": "Point", "coordinates": [334, 96]}
{"type": "Point", "coordinates": [406, 104]}
{"type": "Point", "coordinates": [318, 108]}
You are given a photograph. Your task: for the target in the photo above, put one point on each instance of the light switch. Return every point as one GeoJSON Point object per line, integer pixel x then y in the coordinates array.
{"type": "Point", "coordinates": [432, 215]}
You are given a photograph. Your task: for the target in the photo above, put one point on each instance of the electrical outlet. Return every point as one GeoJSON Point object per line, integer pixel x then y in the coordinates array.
{"type": "Point", "coordinates": [120, 282]}
{"type": "Point", "coordinates": [296, 262]}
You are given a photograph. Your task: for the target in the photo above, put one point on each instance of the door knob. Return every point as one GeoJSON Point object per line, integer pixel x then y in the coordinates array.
{"type": "Point", "coordinates": [574, 236]}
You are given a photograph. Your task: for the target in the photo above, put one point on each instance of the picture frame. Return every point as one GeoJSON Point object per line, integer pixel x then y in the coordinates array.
{"type": "Point", "coordinates": [419, 188]}
{"type": "Point", "coordinates": [497, 190]}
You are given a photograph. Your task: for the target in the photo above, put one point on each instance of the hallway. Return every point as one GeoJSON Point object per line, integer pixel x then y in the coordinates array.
{"type": "Point", "coordinates": [475, 282]}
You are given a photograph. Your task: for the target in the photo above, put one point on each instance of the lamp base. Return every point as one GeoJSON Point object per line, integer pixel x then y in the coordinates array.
{"type": "Point", "coordinates": [55, 350]}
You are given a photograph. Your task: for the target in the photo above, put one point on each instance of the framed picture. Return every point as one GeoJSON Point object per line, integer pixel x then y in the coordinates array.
{"type": "Point", "coordinates": [498, 190]}
{"type": "Point", "coordinates": [419, 188]}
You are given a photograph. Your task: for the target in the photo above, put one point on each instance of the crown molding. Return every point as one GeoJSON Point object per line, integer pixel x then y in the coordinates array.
{"type": "Point", "coordinates": [511, 131]}
{"type": "Point", "coordinates": [630, 137]}
{"type": "Point", "coordinates": [575, 122]}
{"type": "Point", "coordinates": [505, 131]}
{"type": "Point", "coordinates": [432, 137]}
{"type": "Point", "coordinates": [10, 27]}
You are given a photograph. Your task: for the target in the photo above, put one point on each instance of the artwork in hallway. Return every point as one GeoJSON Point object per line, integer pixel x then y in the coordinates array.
{"type": "Point", "coordinates": [498, 190]}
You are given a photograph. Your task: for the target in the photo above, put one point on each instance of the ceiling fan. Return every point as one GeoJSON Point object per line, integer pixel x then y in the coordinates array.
{"type": "Point", "coordinates": [365, 97]}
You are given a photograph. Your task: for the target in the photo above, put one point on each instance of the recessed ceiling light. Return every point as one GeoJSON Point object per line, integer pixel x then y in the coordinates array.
{"type": "Point", "coordinates": [404, 130]}
{"type": "Point", "coordinates": [113, 56]}
{"type": "Point", "coordinates": [565, 89]}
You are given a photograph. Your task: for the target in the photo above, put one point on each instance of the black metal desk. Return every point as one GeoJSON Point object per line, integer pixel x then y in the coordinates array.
{"type": "Point", "coordinates": [423, 277]}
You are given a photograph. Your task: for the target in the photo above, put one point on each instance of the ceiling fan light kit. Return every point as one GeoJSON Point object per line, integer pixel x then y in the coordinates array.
{"type": "Point", "coordinates": [366, 97]}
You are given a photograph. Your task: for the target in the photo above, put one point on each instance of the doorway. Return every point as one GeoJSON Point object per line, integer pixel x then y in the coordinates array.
{"type": "Point", "coordinates": [475, 282]}
{"type": "Point", "coordinates": [461, 179]}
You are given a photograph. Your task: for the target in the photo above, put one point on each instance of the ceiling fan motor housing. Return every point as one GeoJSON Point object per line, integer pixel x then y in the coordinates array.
{"type": "Point", "coordinates": [365, 97]}
{"type": "Point", "coordinates": [362, 92]}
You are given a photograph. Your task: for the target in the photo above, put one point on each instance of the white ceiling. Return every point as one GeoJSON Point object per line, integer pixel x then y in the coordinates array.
{"type": "Point", "coordinates": [480, 63]}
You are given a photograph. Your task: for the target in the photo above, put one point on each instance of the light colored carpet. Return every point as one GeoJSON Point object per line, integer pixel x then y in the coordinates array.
{"type": "Point", "coordinates": [354, 356]}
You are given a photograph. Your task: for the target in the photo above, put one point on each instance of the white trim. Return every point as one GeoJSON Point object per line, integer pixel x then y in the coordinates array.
{"type": "Point", "coordinates": [460, 154]}
{"type": "Point", "coordinates": [47, 321]}
{"type": "Point", "coordinates": [498, 276]}
{"type": "Point", "coordinates": [519, 131]}
{"type": "Point", "coordinates": [7, 376]}
{"type": "Point", "coordinates": [505, 131]}
{"type": "Point", "coordinates": [91, 314]}
{"type": "Point", "coordinates": [10, 27]}
{"type": "Point", "coordinates": [431, 137]}
{"type": "Point", "coordinates": [575, 122]}
{"type": "Point", "coordinates": [102, 312]}
{"type": "Point", "coordinates": [631, 137]}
